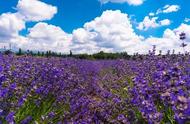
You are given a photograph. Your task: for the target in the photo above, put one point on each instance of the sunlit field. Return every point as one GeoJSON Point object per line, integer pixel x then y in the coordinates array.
{"type": "Point", "coordinates": [153, 89]}
{"type": "Point", "coordinates": [94, 61]}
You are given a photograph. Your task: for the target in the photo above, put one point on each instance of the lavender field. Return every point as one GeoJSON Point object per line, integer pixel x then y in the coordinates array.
{"type": "Point", "coordinates": [94, 62]}
{"type": "Point", "coordinates": [38, 90]}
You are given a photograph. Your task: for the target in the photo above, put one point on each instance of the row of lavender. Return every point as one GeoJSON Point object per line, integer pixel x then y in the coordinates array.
{"type": "Point", "coordinates": [55, 90]}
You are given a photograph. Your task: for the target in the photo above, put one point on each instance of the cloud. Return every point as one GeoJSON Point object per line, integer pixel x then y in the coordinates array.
{"type": "Point", "coordinates": [170, 39]}
{"type": "Point", "coordinates": [48, 37]}
{"type": "Point", "coordinates": [130, 2]}
{"type": "Point", "coordinates": [42, 36]}
{"type": "Point", "coordinates": [4, 45]}
{"type": "Point", "coordinates": [165, 22]}
{"type": "Point", "coordinates": [10, 25]}
{"type": "Point", "coordinates": [187, 20]}
{"type": "Point", "coordinates": [168, 9]}
{"type": "Point", "coordinates": [151, 14]}
{"type": "Point", "coordinates": [171, 8]}
{"type": "Point", "coordinates": [151, 22]}
{"type": "Point", "coordinates": [35, 10]}
{"type": "Point", "coordinates": [112, 31]}
{"type": "Point", "coordinates": [148, 23]}
{"type": "Point", "coordinates": [183, 28]}
{"type": "Point", "coordinates": [102, 33]}
{"type": "Point", "coordinates": [19, 42]}
{"type": "Point", "coordinates": [27, 10]}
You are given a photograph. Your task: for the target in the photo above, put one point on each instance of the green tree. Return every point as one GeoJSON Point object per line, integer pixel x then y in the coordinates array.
{"type": "Point", "coordinates": [70, 54]}
{"type": "Point", "coordinates": [42, 53]}
{"type": "Point", "coordinates": [19, 51]}
{"type": "Point", "coordinates": [38, 54]}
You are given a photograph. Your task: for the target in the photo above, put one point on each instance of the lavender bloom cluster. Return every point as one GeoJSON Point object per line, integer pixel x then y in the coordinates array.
{"type": "Point", "coordinates": [152, 90]}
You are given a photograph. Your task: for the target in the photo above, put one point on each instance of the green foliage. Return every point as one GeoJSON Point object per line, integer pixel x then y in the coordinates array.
{"type": "Point", "coordinates": [19, 52]}
{"type": "Point", "coordinates": [168, 116]}
{"type": "Point", "coordinates": [39, 112]}
{"type": "Point", "coordinates": [30, 108]}
{"type": "Point", "coordinates": [100, 55]}
{"type": "Point", "coordinates": [103, 55]}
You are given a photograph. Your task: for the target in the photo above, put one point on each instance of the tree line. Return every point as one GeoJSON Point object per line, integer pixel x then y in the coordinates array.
{"type": "Point", "coordinates": [99, 55]}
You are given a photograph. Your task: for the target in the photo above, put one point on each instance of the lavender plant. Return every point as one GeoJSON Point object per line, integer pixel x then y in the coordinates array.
{"type": "Point", "coordinates": [150, 90]}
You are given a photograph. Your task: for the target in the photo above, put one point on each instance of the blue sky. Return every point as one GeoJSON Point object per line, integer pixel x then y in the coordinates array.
{"type": "Point", "coordinates": [74, 14]}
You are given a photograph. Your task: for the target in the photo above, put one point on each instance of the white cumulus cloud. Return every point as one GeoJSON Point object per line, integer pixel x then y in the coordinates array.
{"type": "Point", "coordinates": [170, 39]}
{"type": "Point", "coordinates": [130, 2]}
{"type": "Point", "coordinates": [184, 28]}
{"type": "Point", "coordinates": [35, 10]}
{"type": "Point", "coordinates": [168, 9]}
{"type": "Point", "coordinates": [10, 25]}
{"type": "Point", "coordinates": [151, 14]}
{"type": "Point", "coordinates": [171, 8]}
{"type": "Point", "coordinates": [112, 31]}
{"type": "Point", "coordinates": [27, 10]}
{"type": "Point", "coordinates": [187, 20]}
{"type": "Point", "coordinates": [44, 36]}
{"type": "Point", "coordinates": [148, 23]}
{"type": "Point", "coordinates": [152, 22]}
{"type": "Point", "coordinates": [165, 22]}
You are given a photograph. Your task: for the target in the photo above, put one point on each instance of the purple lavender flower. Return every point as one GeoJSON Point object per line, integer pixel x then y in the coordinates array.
{"type": "Point", "coordinates": [10, 117]}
